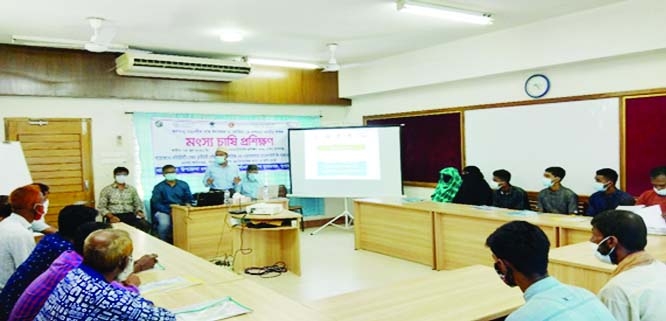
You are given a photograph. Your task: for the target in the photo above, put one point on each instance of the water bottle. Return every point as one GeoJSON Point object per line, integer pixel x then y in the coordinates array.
{"type": "Point", "coordinates": [265, 192]}
{"type": "Point", "coordinates": [227, 197]}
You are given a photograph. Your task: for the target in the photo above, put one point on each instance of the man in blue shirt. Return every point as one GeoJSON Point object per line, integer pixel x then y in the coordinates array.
{"type": "Point", "coordinates": [167, 192]}
{"type": "Point", "coordinates": [607, 195]}
{"type": "Point", "coordinates": [250, 185]}
{"type": "Point", "coordinates": [222, 174]}
{"type": "Point", "coordinates": [46, 251]}
{"type": "Point", "coordinates": [520, 251]}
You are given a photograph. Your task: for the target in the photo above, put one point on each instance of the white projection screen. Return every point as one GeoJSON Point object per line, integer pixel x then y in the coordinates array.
{"type": "Point", "coordinates": [345, 161]}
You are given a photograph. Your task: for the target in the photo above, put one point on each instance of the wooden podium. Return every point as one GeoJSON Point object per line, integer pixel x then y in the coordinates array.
{"type": "Point", "coordinates": [205, 231]}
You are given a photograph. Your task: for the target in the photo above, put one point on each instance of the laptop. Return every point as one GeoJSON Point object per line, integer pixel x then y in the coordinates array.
{"type": "Point", "coordinates": [209, 199]}
{"type": "Point", "coordinates": [273, 191]}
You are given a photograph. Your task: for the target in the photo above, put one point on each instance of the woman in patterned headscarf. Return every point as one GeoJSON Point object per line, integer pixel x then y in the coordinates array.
{"type": "Point", "coordinates": [448, 185]}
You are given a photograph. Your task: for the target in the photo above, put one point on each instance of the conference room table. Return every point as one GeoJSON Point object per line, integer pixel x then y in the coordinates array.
{"type": "Point", "coordinates": [575, 264]}
{"type": "Point", "coordinates": [212, 282]}
{"type": "Point", "coordinates": [471, 293]}
{"type": "Point", "coordinates": [448, 236]}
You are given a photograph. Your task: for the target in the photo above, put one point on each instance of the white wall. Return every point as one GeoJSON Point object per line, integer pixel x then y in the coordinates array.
{"type": "Point", "coordinates": [110, 121]}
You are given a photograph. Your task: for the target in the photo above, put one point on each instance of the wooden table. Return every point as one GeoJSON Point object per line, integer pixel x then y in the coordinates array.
{"type": "Point", "coordinates": [576, 264]}
{"type": "Point", "coordinates": [444, 235]}
{"type": "Point", "coordinates": [472, 293]}
{"type": "Point", "coordinates": [216, 283]}
{"type": "Point", "coordinates": [268, 245]}
{"type": "Point", "coordinates": [389, 226]}
{"type": "Point", "coordinates": [174, 260]}
{"type": "Point", "coordinates": [205, 231]}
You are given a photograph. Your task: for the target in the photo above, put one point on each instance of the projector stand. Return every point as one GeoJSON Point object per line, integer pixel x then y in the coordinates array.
{"type": "Point", "coordinates": [349, 218]}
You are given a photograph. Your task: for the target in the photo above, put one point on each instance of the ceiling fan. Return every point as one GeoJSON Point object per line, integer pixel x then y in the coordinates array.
{"type": "Point", "coordinates": [100, 41]}
{"type": "Point", "coordinates": [332, 64]}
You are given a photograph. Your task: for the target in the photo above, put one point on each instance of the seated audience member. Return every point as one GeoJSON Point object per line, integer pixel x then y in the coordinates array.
{"type": "Point", "coordinates": [40, 224]}
{"type": "Point", "coordinates": [33, 298]}
{"type": "Point", "coordinates": [448, 185]}
{"type": "Point", "coordinates": [46, 251]}
{"type": "Point", "coordinates": [474, 189]}
{"type": "Point", "coordinates": [507, 195]}
{"type": "Point", "coordinates": [86, 292]}
{"type": "Point", "coordinates": [656, 195]}
{"type": "Point", "coordinates": [637, 286]}
{"type": "Point", "coordinates": [250, 185]}
{"type": "Point", "coordinates": [16, 240]}
{"type": "Point", "coordinates": [167, 192]}
{"type": "Point", "coordinates": [5, 208]}
{"type": "Point", "coordinates": [119, 202]}
{"type": "Point", "coordinates": [607, 196]}
{"type": "Point", "coordinates": [556, 198]}
{"type": "Point", "coordinates": [520, 250]}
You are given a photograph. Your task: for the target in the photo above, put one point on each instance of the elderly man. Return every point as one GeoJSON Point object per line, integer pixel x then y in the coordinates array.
{"type": "Point", "coordinates": [222, 174]}
{"type": "Point", "coordinates": [16, 240]}
{"type": "Point", "coordinates": [86, 292]}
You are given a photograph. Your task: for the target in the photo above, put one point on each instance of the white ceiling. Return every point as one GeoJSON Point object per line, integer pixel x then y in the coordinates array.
{"type": "Point", "coordinates": [288, 29]}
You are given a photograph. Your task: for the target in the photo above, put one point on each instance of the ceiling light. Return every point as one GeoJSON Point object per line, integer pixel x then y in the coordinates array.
{"type": "Point", "coordinates": [231, 36]}
{"type": "Point", "coordinates": [438, 11]}
{"type": "Point", "coordinates": [282, 63]}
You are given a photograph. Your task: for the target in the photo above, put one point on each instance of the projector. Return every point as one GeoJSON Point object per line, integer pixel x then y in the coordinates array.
{"type": "Point", "coordinates": [264, 209]}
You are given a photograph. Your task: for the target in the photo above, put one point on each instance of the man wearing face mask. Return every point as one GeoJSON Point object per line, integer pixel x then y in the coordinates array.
{"type": "Point", "coordinates": [120, 202]}
{"type": "Point", "coordinates": [607, 196]}
{"type": "Point", "coordinates": [16, 240]}
{"type": "Point", "coordinates": [85, 292]}
{"type": "Point", "coordinates": [222, 174]}
{"type": "Point", "coordinates": [506, 195]}
{"type": "Point", "coordinates": [556, 198]}
{"type": "Point", "coordinates": [637, 286]}
{"type": "Point", "coordinates": [167, 192]}
{"type": "Point", "coordinates": [520, 251]}
{"type": "Point", "coordinates": [250, 185]}
{"type": "Point", "coordinates": [656, 195]}
{"type": "Point", "coordinates": [40, 224]}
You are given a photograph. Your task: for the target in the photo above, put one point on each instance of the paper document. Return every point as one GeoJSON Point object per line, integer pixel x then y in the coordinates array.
{"type": "Point", "coordinates": [523, 213]}
{"type": "Point", "coordinates": [653, 220]}
{"type": "Point", "coordinates": [168, 284]}
{"type": "Point", "coordinates": [630, 208]}
{"type": "Point", "coordinates": [211, 310]}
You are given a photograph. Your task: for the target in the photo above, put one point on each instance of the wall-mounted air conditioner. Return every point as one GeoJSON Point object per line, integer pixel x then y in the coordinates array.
{"type": "Point", "coordinates": [180, 67]}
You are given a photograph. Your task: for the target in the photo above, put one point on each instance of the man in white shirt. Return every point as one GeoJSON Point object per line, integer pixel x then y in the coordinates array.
{"type": "Point", "coordinates": [638, 285]}
{"type": "Point", "coordinates": [16, 240]}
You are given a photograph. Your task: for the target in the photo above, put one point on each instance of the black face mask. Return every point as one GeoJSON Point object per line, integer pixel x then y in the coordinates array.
{"type": "Point", "coordinates": [508, 277]}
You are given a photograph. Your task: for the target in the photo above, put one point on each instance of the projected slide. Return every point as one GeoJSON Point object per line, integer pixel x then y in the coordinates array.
{"type": "Point", "coordinates": [342, 154]}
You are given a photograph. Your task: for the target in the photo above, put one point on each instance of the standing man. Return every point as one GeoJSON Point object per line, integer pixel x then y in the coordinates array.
{"type": "Point", "coordinates": [637, 286]}
{"type": "Point", "coordinates": [607, 196]}
{"type": "Point", "coordinates": [520, 250]}
{"type": "Point", "coordinates": [507, 195]}
{"type": "Point", "coordinates": [656, 195]}
{"type": "Point", "coordinates": [169, 191]}
{"type": "Point", "coordinates": [120, 202]}
{"type": "Point", "coordinates": [222, 174]}
{"type": "Point", "coordinates": [556, 198]}
{"type": "Point", "coordinates": [16, 240]}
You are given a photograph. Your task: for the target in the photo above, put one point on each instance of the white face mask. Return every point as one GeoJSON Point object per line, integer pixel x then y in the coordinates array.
{"type": "Point", "coordinates": [495, 185]}
{"type": "Point", "coordinates": [547, 182]}
{"type": "Point", "coordinates": [603, 258]}
{"type": "Point", "coordinates": [121, 179]}
{"type": "Point", "coordinates": [129, 269]}
{"type": "Point", "coordinates": [46, 207]}
{"type": "Point", "coordinates": [600, 187]}
{"type": "Point", "coordinates": [660, 192]}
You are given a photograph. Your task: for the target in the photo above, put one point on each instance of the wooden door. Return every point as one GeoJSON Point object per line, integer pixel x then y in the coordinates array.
{"type": "Point", "coordinates": [58, 153]}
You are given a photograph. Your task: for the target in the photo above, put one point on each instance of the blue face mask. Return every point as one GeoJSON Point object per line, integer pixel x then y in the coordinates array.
{"type": "Point", "coordinates": [220, 159]}
{"type": "Point", "coordinates": [252, 176]}
{"type": "Point", "coordinates": [170, 176]}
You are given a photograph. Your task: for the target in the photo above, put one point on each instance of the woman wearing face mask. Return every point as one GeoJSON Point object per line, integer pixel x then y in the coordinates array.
{"type": "Point", "coordinates": [250, 185]}
{"type": "Point", "coordinates": [120, 202]}
{"type": "Point", "coordinates": [474, 189]}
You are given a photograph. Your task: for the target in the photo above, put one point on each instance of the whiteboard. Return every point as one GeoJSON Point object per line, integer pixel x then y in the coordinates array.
{"type": "Point", "coordinates": [579, 136]}
{"type": "Point", "coordinates": [15, 167]}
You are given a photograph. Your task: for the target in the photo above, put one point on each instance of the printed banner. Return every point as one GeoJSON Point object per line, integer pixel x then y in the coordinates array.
{"type": "Point", "coordinates": [190, 144]}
